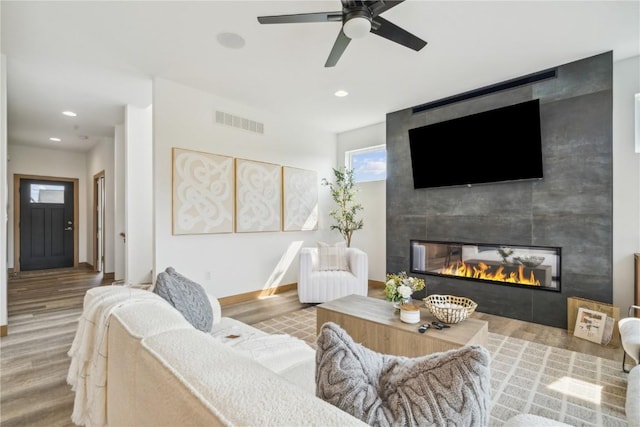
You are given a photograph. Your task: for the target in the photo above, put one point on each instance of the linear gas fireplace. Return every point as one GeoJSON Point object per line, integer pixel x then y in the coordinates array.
{"type": "Point", "coordinates": [536, 267]}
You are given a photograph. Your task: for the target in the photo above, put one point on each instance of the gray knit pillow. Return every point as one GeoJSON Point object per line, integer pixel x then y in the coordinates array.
{"type": "Point", "coordinates": [450, 388]}
{"type": "Point", "coordinates": [186, 296]}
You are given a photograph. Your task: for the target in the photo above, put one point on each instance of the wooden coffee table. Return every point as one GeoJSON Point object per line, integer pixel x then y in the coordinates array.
{"type": "Point", "coordinates": [376, 324]}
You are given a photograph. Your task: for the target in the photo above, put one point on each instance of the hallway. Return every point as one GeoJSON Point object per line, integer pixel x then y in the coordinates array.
{"type": "Point", "coordinates": [43, 310]}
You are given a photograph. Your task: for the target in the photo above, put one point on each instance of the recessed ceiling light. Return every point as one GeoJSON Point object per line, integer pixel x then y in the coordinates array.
{"type": "Point", "coordinates": [69, 113]}
{"type": "Point", "coordinates": [341, 93]}
{"type": "Point", "coordinates": [230, 40]}
{"type": "Point", "coordinates": [55, 139]}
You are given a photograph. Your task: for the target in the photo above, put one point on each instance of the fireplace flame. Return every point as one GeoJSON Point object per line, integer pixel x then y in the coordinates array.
{"type": "Point", "coordinates": [483, 271]}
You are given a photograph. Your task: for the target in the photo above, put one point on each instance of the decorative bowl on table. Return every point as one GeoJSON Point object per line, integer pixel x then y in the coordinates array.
{"type": "Point", "coordinates": [529, 261]}
{"type": "Point", "coordinates": [449, 308]}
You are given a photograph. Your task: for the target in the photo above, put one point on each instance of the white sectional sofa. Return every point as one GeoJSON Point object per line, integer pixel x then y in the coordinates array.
{"type": "Point", "coordinates": [161, 371]}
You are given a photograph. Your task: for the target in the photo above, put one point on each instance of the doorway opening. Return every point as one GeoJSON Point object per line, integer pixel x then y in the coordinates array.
{"type": "Point", "coordinates": [98, 222]}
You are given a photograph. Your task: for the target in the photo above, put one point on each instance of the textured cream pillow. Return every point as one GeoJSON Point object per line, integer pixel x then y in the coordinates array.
{"type": "Point", "coordinates": [332, 257]}
{"type": "Point", "coordinates": [452, 388]}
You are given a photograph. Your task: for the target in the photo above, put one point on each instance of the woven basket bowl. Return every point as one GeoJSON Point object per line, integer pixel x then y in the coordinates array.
{"type": "Point", "coordinates": [449, 308]}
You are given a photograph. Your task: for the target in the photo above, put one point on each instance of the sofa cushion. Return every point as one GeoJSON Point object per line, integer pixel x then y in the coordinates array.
{"type": "Point", "coordinates": [190, 379]}
{"type": "Point", "coordinates": [332, 256]}
{"type": "Point", "coordinates": [186, 296]}
{"type": "Point", "coordinates": [449, 388]}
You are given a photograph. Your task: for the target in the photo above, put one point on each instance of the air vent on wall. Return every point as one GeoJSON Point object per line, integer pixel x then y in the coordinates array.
{"type": "Point", "coordinates": [227, 119]}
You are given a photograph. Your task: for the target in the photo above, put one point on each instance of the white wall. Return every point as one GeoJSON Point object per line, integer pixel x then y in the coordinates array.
{"type": "Point", "coordinates": [232, 263]}
{"type": "Point", "coordinates": [372, 195]}
{"type": "Point", "coordinates": [138, 195]}
{"type": "Point", "coordinates": [626, 181]}
{"type": "Point", "coordinates": [4, 206]}
{"type": "Point", "coordinates": [26, 160]}
{"type": "Point", "coordinates": [101, 158]}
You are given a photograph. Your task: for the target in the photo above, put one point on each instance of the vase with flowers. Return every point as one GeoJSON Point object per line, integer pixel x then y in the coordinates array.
{"type": "Point", "coordinates": [399, 287]}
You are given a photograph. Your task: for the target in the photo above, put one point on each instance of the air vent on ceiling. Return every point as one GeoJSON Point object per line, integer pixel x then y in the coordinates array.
{"type": "Point", "coordinates": [227, 119]}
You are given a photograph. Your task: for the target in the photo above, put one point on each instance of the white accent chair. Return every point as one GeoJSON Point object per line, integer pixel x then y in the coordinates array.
{"type": "Point", "coordinates": [315, 286]}
{"type": "Point", "coordinates": [629, 328]}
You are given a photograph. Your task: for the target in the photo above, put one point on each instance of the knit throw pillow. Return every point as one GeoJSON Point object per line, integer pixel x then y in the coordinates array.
{"type": "Point", "coordinates": [332, 257]}
{"type": "Point", "coordinates": [450, 388]}
{"type": "Point", "coordinates": [186, 296]}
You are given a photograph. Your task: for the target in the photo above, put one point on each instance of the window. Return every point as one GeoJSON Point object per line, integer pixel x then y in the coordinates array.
{"type": "Point", "coordinates": [41, 193]}
{"type": "Point", "coordinates": [368, 164]}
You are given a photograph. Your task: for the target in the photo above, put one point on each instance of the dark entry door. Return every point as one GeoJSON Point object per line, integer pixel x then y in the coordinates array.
{"type": "Point", "coordinates": [46, 224]}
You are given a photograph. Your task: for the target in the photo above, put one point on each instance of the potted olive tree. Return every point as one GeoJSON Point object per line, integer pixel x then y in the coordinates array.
{"type": "Point", "coordinates": [343, 191]}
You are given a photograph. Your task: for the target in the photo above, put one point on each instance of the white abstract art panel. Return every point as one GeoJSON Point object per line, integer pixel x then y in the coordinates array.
{"type": "Point", "coordinates": [202, 192]}
{"type": "Point", "coordinates": [258, 196]}
{"type": "Point", "coordinates": [300, 195]}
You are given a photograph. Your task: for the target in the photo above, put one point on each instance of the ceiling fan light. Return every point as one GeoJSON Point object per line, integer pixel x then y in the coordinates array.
{"type": "Point", "coordinates": [356, 28]}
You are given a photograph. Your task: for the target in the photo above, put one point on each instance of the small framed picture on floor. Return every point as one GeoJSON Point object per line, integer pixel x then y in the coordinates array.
{"type": "Point", "coordinates": [590, 325]}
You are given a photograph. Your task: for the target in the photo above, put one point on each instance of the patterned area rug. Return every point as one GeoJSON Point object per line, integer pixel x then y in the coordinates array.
{"type": "Point", "coordinates": [526, 377]}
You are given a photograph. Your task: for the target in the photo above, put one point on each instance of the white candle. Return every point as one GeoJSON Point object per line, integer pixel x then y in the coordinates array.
{"type": "Point", "coordinates": [410, 313]}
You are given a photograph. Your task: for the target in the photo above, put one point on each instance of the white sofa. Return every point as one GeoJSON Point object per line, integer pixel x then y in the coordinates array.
{"type": "Point", "coordinates": [316, 286]}
{"type": "Point", "coordinates": [161, 371]}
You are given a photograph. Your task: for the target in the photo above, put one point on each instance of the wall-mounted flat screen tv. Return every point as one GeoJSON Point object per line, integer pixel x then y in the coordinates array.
{"type": "Point", "coordinates": [498, 145]}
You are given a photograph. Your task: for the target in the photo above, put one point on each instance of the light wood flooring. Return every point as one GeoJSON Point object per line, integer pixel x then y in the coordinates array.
{"type": "Point", "coordinates": [43, 308]}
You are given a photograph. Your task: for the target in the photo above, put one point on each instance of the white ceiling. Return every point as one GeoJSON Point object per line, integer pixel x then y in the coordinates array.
{"type": "Point", "coordinates": [95, 57]}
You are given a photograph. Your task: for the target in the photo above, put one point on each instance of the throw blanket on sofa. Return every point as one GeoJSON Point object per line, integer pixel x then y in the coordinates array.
{"type": "Point", "coordinates": [88, 370]}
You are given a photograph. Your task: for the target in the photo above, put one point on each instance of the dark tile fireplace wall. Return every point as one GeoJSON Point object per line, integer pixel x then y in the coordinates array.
{"type": "Point", "coordinates": [570, 208]}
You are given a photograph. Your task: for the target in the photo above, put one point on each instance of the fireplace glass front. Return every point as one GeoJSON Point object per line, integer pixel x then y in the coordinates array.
{"type": "Point", "coordinates": [510, 265]}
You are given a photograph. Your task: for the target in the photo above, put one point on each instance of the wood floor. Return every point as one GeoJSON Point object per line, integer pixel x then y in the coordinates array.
{"type": "Point", "coordinates": [43, 308]}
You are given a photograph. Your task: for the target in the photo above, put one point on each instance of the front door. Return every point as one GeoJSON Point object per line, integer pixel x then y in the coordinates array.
{"type": "Point", "coordinates": [46, 224]}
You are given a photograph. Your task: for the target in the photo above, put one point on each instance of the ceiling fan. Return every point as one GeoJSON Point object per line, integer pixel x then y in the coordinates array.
{"type": "Point", "coordinates": [358, 18]}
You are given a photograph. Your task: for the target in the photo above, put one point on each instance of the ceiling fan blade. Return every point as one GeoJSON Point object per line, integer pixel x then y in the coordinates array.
{"type": "Point", "coordinates": [396, 34]}
{"type": "Point", "coordinates": [338, 48]}
{"type": "Point", "coordinates": [379, 6]}
{"type": "Point", "coordinates": [302, 17]}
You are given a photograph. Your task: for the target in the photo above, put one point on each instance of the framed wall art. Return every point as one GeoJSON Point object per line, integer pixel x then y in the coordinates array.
{"type": "Point", "coordinates": [258, 196]}
{"type": "Point", "coordinates": [300, 199]}
{"type": "Point", "coordinates": [202, 192]}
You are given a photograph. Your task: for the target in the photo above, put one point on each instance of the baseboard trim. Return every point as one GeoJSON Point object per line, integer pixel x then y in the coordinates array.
{"type": "Point", "coordinates": [249, 296]}
{"type": "Point", "coordinates": [376, 284]}
{"type": "Point", "coordinates": [4, 330]}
